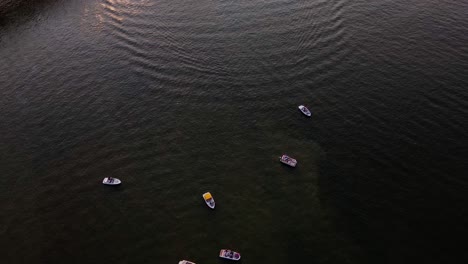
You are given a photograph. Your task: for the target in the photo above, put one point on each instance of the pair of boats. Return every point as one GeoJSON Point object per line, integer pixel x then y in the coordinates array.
{"type": "Point", "coordinates": [223, 253]}
{"type": "Point", "coordinates": [285, 159]}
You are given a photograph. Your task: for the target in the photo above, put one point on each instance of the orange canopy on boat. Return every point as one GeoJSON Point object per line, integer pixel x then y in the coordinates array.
{"type": "Point", "coordinates": [207, 196]}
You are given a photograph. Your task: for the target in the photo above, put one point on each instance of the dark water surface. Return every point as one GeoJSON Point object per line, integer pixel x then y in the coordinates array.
{"type": "Point", "coordinates": [176, 98]}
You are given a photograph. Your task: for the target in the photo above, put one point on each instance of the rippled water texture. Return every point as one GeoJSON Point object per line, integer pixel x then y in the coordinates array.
{"type": "Point", "coordinates": [177, 98]}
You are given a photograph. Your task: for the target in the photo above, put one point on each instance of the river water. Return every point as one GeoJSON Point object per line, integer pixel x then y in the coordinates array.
{"type": "Point", "coordinates": [177, 98]}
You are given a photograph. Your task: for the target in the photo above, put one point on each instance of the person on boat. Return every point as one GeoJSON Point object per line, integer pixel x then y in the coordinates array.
{"type": "Point", "coordinates": [110, 179]}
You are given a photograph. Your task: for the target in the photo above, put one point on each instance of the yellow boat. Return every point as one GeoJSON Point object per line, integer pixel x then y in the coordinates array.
{"type": "Point", "coordinates": [209, 200]}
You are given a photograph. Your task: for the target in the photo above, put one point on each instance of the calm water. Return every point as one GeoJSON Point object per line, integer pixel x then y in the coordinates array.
{"type": "Point", "coordinates": [176, 98]}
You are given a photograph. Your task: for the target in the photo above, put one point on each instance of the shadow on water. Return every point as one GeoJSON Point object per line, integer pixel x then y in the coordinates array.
{"type": "Point", "coordinates": [20, 11]}
{"type": "Point", "coordinates": [397, 215]}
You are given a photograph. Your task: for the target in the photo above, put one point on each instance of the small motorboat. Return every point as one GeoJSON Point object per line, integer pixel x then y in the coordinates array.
{"type": "Point", "coordinates": [229, 254]}
{"type": "Point", "coordinates": [288, 160]}
{"type": "Point", "coordinates": [304, 110]}
{"type": "Point", "coordinates": [209, 200]}
{"type": "Point", "coordinates": [186, 262]}
{"type": "Point", "coordinates": [111, 181]}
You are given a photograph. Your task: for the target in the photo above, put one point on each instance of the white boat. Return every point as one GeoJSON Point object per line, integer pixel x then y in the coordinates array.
{"type": "Point", "coordinates": [288, 160]}
{"type": "Point", "coordinates": [209, 200]}
{"type": "Point", "coordinates": [304, 110]}
{"type": "Point", "coordinates": [111, 181]}
{"type": "Point", "coordinates": [229, 254]}
{"type": "Point", "coordinates": [186, 262]}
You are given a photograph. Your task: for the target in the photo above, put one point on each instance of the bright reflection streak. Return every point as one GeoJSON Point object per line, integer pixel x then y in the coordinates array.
{"type": "Point", "coordinates": [91, 20]}
{"type": "Point", "coordinates": [133, 7]}
{"type": "Point", "coordinates": [112, 12]}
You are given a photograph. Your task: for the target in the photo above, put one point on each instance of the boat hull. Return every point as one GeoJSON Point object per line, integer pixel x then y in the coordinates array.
{"type": "Point", "coordinates": [229, 254]}
{"type": "Point", "coordinates": [186, 262]}
{"type": "Point", "coordinates": [305, 111]}
{"type": "Point", "coordinates": [209, 200]}
{"type": "Point", "coordinates": [285, 159]}
{"type": "Point", "coordinates": [115, 181]}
